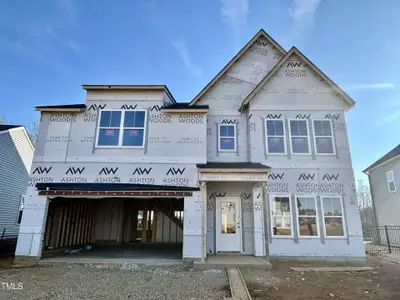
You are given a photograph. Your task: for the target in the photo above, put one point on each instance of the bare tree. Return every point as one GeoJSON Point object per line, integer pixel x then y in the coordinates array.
{"type": "Point", "coordinates": [32, 131]}
{"type": "Point", "coordinates": [367, 213]}
{"type": "Point", "coordinates": [2, 120]}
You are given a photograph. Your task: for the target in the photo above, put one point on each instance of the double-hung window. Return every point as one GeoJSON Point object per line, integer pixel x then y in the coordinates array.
{"type": "Point", "coordinates": [323, 137]}
{"type": "Point", "coordinates": [332, 208]}
{"type": "Point", "coordinates": [299, 137]}
{"type": "Point", "coordinates": [226, 137]}
{"type": "Point", "coordinates": [119, 128]}
{"type": "Point", "coordinates": [307, 216]}
{"type": "Point", "coordinates": [390, 181]}
{"type": "Point", "coordinates": [281, 217]}
{"type": "Point", "coordinates": [275, 142]}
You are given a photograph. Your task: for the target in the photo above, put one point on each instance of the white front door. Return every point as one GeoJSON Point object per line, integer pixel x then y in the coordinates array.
{"type": "Point", "coordinates": [228, 227]}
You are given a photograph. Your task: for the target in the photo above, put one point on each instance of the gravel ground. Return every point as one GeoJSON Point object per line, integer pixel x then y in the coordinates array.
{"type": "Point", "coordinates": [282, 283]}
{"type": "Point", "coordinates": [128, 281]}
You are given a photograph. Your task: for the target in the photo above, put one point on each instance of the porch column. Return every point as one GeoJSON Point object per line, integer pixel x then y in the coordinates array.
{"type": "Point", "coordinates": [258, 209]}
{"type": "Point", "coordinates": [203, 221]}
{"type": "Point", "coordinates": [31, 230]}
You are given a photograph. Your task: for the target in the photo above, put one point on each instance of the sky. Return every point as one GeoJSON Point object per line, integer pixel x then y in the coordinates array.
{"type": "Point", "coordinates": [49, 48]}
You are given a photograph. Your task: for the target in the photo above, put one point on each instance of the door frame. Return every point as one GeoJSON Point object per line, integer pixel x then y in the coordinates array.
{"type": "Point", "coordinates": [217, 211]}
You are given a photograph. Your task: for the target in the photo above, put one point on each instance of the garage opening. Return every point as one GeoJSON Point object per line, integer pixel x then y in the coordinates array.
{"type": "Point", "coordinates": [131, 228]}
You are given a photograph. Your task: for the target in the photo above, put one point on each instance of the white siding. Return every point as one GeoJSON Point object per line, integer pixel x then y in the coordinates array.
{"type": "Point", "coordinates": [15, 161]}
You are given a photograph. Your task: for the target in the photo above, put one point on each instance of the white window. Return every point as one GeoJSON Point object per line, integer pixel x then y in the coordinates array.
{"type": "Point", "coordinates": [281, 216]}
{"type": "Point", "coordinates": [118, 128]}
{"type": "Point", "coordinates": [275, 130]}
{"type": "Point", "coordinates": [226, 137]}
{"type": "Point", "coordinates": [21, 209]}
{"type": "Point", "coordinates": [323, 137]}
{"type": "Point", "coordinates": [307, 216]}
{"type": "Point", "coordinates": [391, 182]}
{"type": "Point", "coordinates": [299, 137]}
{"type": "Point", "coordinates": [332, 208]}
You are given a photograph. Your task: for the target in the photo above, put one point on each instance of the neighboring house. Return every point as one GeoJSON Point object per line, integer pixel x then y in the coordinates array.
{"type": "Point", "coordinates": [16, 154]}
{"type": "Point", "coordinates": [384, 176]}
{"type": "Point", "coordinates": [257, 163]}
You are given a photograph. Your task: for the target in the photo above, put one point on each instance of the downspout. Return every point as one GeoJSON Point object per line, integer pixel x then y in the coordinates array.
{"type": "Point", "coordinates": [203, 207]}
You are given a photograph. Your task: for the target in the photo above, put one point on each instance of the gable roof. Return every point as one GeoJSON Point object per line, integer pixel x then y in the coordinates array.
{"type": "Point", "coordinates": [388, 156]}
{"type": "Point", "coordinates": [350, 102]}
{"type": "Point", "coordinates": [7, 127]}
{"type": "Point", "coordinates": [235, 59]}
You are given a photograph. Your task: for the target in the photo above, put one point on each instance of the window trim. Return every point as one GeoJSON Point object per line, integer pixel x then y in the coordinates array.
{"type": "Point", "coordinates": [308, 137]}
{"type": "Point", "coordinates": [315, 138]}
{"type": "Point", "coordinates": [342, 216]}
{"type": "Point", "coordinates": [388, 182]}
{"type": "Point", "coordinates": [271, 197]}
{"type": "Point", "coordinates": [284, 137]}
{"type": "Point", "coordinates": [234, 138]}
{"type": "Point", "coordinates": [121, 129]}
{"type": "Point", "coordinates": [316, 217]}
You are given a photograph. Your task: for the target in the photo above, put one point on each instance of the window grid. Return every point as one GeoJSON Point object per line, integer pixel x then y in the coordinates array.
{"type": "Point", "coordinates": [307, 216]}
{"type": "Point", "coordinates": [294, 136]}
{"type": "Point", "coordinates": [285, 217]}
{"type": "Point", "coordinates": [333, 216]}
{"type": "Point", "coordinates": [121, 129]}
{"type": "Point", "coordinates": [275, 135]}
{"type": "Point", "coordinates": [319, 136]}
{"type": "Point", "coordinates": [227, 137]}
{"type": "Point", "coordinates": [391, 182]}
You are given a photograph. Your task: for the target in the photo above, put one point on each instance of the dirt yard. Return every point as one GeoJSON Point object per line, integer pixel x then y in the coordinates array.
{"type": "Point", "coordinates": [382, 283]}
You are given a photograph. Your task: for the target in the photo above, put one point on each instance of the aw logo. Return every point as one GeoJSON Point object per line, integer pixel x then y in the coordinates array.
{"type": "Point", "coordinates": [226, 121]}
{"type": "Point", "coordinates": [155, 108]}
{"type": "Point", "coordinates": [246, 196]}
{"type": "Point", "coordinates": [262, 42]}
{"type": "Point", "coordinates": [332, 117]}
{"type": "Point", "coordinates": [108, 171]}
{"type": "Point", "coordinates": [127, 107]}
{"type": "Point", "coordinates": [300, 116]}
{"type": "Point", "coordinates": [42, 170]}
{"type": "Point", "coordinates": [293, 64]}
{"type": "Point", "coordinates": [276, 176]}
{"type": "Point", "coordinates": [142, 171]}
{"type": "Point", "coordinates": [274, 116]}
{"type": "Point", "coordinates": [330, 177]}
{"type": "Point", "coordinates": [176, 171]}
{"type": "Point", "coordinates": [96, 107]}
{"type": "Point", "coordinates": [74, 171]}
{"type": "Point", "coordinates": [216, 195]}
{"type": "Point", "coordinates": [305, 176]}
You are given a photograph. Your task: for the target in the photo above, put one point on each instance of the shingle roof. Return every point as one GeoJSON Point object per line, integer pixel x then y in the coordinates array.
{"type": "Point", "coordinates": [391, 154]}
{"type": "Point", "coordinates": [64, 106]}
{"type": "Point", "coordinates": [232, 165]}
{"type": "Point", "coordinates": [7, 127]}
{"type": "Point", "coordinates": [185, 105]}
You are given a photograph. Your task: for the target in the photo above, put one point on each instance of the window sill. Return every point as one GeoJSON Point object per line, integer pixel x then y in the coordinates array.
{"type": "Point", "coordinates": [285, 237]}
{"type": "Point", "coordinates": [227, 151]}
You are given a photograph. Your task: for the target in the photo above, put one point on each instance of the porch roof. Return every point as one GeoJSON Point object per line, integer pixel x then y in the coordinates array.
{"type": "Point", "coordinates": [113, 189]}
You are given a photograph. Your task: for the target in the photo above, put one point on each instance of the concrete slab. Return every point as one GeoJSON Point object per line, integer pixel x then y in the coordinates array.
{"type": "Point", "coordinates": [392, 257]}
{"type": "Point", "coordinates": [332, 269]}
{"type": "Point", "coordinates": [233, 261]}
{"type": "Point", "coordinates": [72, 260]}
{"type": "Point", "coordinates": [237, 285]}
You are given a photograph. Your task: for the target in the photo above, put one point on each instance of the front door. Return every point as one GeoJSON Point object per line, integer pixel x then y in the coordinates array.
{"type": "Point", "coordinates": [228, 227]}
